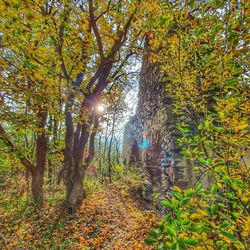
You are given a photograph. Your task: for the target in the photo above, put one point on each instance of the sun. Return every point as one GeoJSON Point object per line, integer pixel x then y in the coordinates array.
{"type": "Point", "coordinates": [100, 108]}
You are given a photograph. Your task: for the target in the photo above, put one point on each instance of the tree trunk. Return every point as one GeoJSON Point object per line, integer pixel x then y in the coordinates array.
{"type": "Point", "coordinates": [50, 174]}
{"type": "Point", "coordinates": [117, 146]}
{"type": "Point", "coordinates": [75, 192]}
{"type": "Point", "coordinates": [41, 157]}
{"type": "Point", "coordinates": [73, 167]}
{"type": "Point", "coordinates": [37, 188]}
{"type": "Point", "coordinates": [109, 149]}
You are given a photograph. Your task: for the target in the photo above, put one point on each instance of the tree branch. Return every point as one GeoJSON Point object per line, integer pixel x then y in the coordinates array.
{"type": "Point", "coordinates": [122, 36]}
{"type": "Point", "coordinates": [122, 64]}
{"type": "Point", "coordinates": [96, 31]}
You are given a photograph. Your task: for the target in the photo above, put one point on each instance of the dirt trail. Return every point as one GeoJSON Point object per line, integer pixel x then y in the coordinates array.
{"type": "Point", "coordinates": [122, 222]}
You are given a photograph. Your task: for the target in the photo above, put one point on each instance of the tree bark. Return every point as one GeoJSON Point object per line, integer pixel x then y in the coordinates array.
{"type": "Point", "coordinates": [117, 146]}
{"type": "Point", "coordinates": [37, 188]}
{"type": "Point", "coordinates": [73, 171]}
{"type": "Point", "coordinates": [41, 157]}
{"type": "Point", "coordinates": [75, 192]}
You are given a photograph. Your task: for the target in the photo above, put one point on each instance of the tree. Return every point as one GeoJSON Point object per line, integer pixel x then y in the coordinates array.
{"type": "Point", "coordinates": [29, 91]}
{"type": "Point", "coordinates": [107, 67]}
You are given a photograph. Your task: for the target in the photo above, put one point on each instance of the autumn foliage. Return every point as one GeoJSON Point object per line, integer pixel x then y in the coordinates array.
{"type": "Point", "coordinates": [203, 52]}
{"type": "Point", "coordinates": [59, 61]}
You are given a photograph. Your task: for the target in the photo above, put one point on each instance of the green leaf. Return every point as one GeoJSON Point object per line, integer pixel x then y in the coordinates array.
{"type": "Point", "coordinates": [154, 233]}
{"type": "Point", "coordinates": [171, 231]}
{"type": "Point", "coordinates": [180, 246]}
{"type": "Point", "coordinates": [189, 192]}
{"type": "Point", "coordinates": [160, 229]}
{"type": "Point", "coordinates": [207, 124]}
{"type": "Point", "coordinates": [190, 241]}
{"type": "Point", "coordinates": [213, 208]}
{"type": "Point", "coordinates": [178, 196]}
{"type": "Point", "coordinates": [191, 3]}
{"type": "Point", "coordinates": [224, 224]}
{"type": "Point", "coordinates": [214, 189]}
{"type": "Point", "coordinates": [168, 245]}
{"type": "Point", "coordinates": [232, 80]}
{"type": "Point", "coordinates": [202, 161]}
{"type": "Point", "coordinates": [166, 204]}
{"type": "Point", "coordinates": [218, 129]}
{"type": "Point", "coordinates": [17, 6]}
{"type": "Point", "coordinates": [203, 229]}
{"type": "Point", "coordinates": [218, 4]}
{"type": "Point", "coordinates": [226, 179]}
{"type": "Point", "coordinates": [200, 31]}
{"type": "Point", "coordinates": [231, 195]}
{"type": "Point", "coordinates": [175, 203]}
{"type": "Point", "coordinates": [166, 218]}
{"type": "Point", "coordinates": [229, 236]}
{"type": "Point", "coordinates": [186, 222]}
{"type": "Point", "coordinates": [193, 229]}
{"type": "Point", "coordinates": [200, 127]}
{"type": "Point", "coordinates": [149, 241]}
{"type": "Point", "coordinates": [173, 245]}
{"type": "Point", "coordinates": [198, 187]}
{"type": "Point", "coordinates": [178, 215]}
{"type": "Point", "coordinates": [185, 201]}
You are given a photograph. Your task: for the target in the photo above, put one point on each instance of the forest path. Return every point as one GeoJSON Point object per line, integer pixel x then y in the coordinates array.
{"type": "Point", "coordinates": [120, 222]}
{"type": "Point", "coordinates": [111, 219]}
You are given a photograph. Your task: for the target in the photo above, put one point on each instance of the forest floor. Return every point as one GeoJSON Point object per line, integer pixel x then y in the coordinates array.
{"type": "Point", "coordinates": [111, 218]}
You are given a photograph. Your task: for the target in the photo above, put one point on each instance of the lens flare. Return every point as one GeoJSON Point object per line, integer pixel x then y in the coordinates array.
{"type": "Point", "coordinates": [100, 108]}
{"type": "Point", "coordinates": [144, 144]}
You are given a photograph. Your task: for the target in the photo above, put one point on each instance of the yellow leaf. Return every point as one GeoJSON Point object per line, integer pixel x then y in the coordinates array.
{"type": "Point", "coordinates": [177, 189]}
{"type": "Point", "coordinates": [199, 214]}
